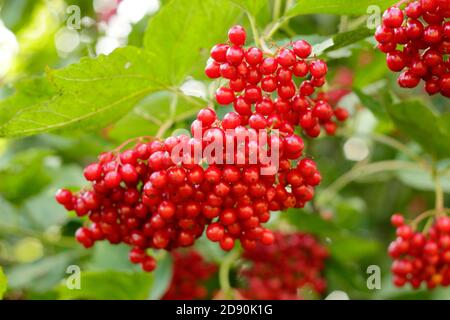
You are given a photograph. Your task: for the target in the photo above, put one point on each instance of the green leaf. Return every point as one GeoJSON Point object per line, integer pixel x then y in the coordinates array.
{"type": "Point", "coordinates": [252, 6]}
{"type": "Point", "coordinates": [3, 283]}
{"type": "Point", "coordinates": [371, 103]}
{"type": "Point", "coordinates": [421, 179]}
{"type": "Point", "coordinates": [108, 257]}
{"type": "Point", "coordinates": [110, 285]}
{"type": "Point", "coordinates": [29, 92]}
{"type": "Point", "coordinates": [423, 125]}
{"type": "Point", "coordinates": [91, 94]}
{"type": "Point", "coordinates": [181, 34]}
{"type": "Point", "coordinates": [163, 277]}
{"type": "Point", "coordinates": [342, 40]}
{"type": "Point", "coordinates": [24, 175]}
{"type": "Point", "coordinates": [353, 248]}
{"type": "Point", "coordinates": [153, 112]}
{"type": "Point", "coordinates": [312, 223]}
{"type": "Point", "coordinates": [41, 275]}
{"type": "Point", "coordinates": [339, 7]}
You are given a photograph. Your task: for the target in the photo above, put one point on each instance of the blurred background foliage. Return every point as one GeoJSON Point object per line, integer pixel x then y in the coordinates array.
{"type": "Point", "coordinates": [371, 169]}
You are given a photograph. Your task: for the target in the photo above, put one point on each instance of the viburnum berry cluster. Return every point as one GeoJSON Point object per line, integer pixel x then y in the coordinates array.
{"type": "Point", "coordinates": [421, 257]}
{"type": "Point", "coordinates": [273, 90]}
{"type": "Point", "coordinates": [225, 179]}
{"type": "Point", "coordinates": [279, 271]}
{"type": "Point", "coordinates": [190, 275]}
{"type": "Point", "coordinates": [416, 40]}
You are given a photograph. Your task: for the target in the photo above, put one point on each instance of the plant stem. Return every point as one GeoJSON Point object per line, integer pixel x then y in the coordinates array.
{"type": "Point", "coordinates": [276, 9]}
{"type": "Point", "coordinates": [224, 273]}
{"type": "Point", "coordinates": [393, 143]}
{"type": "Point", "coordinates": [171, 121]}
{"type": "Point", "coordinates": [439, 204]}
{"type": "Point", "coordinates": [343, 25]}
{"type": "Point", "coordinates": [258, 40]}
{"type": "Point", "coordinates": [359, 171]}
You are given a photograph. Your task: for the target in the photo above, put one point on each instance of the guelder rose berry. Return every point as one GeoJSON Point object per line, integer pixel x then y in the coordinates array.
{"type": "Point", "coordinates": [416, 40]}
{"type": "Point", "coordinates": [254, 79]}
{"type": "Point", "coordinates": [421, 258]}
{"type": "Point", "coordinates": [277, 270]}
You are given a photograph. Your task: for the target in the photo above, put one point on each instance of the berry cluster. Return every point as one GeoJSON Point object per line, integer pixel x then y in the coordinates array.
{"type": "Point", "coordinates": [190, 274]}
{"type": "Point", "coordinates": [143, 198]}
{"type": "Point", "coordinates": [421, 257]}
{"type": "Point", "coordinates": [254, 78]}
{"type": "Point", "coordinates": [163, 194]}
{"type": "Point", "coordinates": [279, 271]}
{"type": "Point", "coordinates": [417, 43]}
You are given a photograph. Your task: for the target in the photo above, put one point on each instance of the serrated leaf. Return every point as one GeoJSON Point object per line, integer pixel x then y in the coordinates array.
{"type": "Point", "coordinates": [252, 6]}
{"type": "Point", "coordinates": [3, 283]}
{"type": "Point", "coordinates": [184, 43]}
{"type": "Point", "coordinates": [29, 92]}
{"type": "Point", "coordinates": [109, 285]}
{"type": "Point", "coordinates": [339, 7]}
{"type": "Point", "coordinates": [91, 94]}
{"type": "Point", "coordinates": [423, 125]}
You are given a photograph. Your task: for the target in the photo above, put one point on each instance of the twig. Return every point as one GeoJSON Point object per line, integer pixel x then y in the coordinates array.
{"type": "Point", "coordinates": [224, 273]}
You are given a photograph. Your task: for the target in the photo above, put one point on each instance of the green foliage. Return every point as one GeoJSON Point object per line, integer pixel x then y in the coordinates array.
{"type": "Point", "coordinates": [423, 125]}
{"type": "Point", "coordinates": [41, 275]}
{"type": "Point", "coordinates": [3, 283]}
{"type": "Point", "coordinates": [56, 120]}
{"type": "Point", "coordinates": [90, 94]}
{"type": "Point", "coordinates": [340, 7]}
{"type": "Point", "coordinates": [252, 6]}
{"type": "Point", "coordinates": [16, 174]}
{"type": "Point", "coordinates": [109, 285]}
{"type": "Point", "coordinates": [195, 26]}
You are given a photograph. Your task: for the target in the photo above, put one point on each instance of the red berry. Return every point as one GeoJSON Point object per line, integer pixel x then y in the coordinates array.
{"type": "Point", "coordinates": [224, 96]}
{"type": "Point", "coordinates": [237, 35]}
{"type": "Point", "coordinates": [302, 49]}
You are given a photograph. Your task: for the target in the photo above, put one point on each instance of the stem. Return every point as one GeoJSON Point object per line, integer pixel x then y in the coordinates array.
{"type": "Point", "coordinates": [439, 204]}
{"type": "Point", "coordinates": [171, 121]}
{"type": "Point", "coordinates": [224, 273]}
{"type": "Point", "coordinates": [364, 170]}
{"type": "Point", "coordinates": [343, 25]}
{"type": "Point", "coordinates": [147, 117]}
{"type": "Point", "coordinates": [422, 216]}
{"type": "Point", "coordinates": [395, 144]}
{"type": "Point", "coordinates": [258, 40]}
{"type": "Point", "coordinates": [276, 9]}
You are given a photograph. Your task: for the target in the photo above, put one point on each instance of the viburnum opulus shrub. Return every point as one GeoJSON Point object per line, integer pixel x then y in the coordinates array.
{"type": "Point", "coordinates": [415, 35]}
{"type": "Point", "coordinates": [232, 172]}
{"type": "Point", "coordinates": [294, 262]}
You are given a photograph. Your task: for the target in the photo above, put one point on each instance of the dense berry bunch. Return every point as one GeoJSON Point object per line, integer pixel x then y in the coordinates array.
{"type": "Point", "coordinates": [190, 274]}
{"type": "Point", "coordinates": [225, 179]}
{"type": "Point", "coordinates": [143, 198]}
{"type": "Point", "coordinates": [421, 257]}
{"type": "Point", "coordinates": [279, 271]}
{"type": "Point", "coordinates": [416, 40]}
{"type": "Point", "coordinates": [274, 91]}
